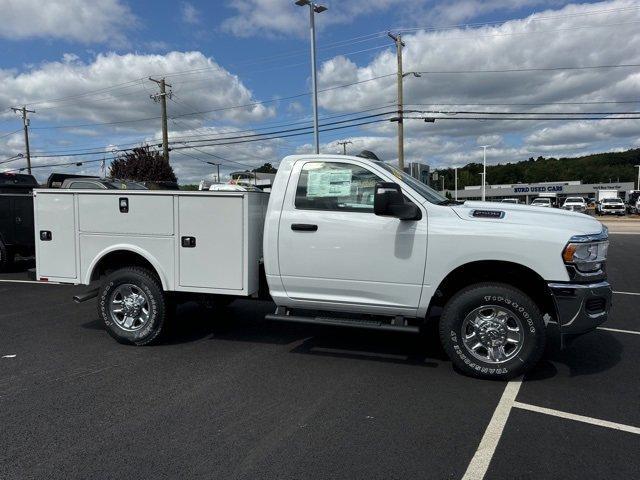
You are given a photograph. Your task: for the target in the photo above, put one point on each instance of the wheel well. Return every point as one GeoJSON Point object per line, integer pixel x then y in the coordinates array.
{"type": "Point", "coordinates": [519, 276]}
{"type": "Point", "coordinates": [118, 259]}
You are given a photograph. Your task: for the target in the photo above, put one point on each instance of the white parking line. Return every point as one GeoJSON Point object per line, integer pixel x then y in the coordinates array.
{"type": "Point", "coordinates": [480, 462]}
{"type": "Point", "coordinates": [578, 418]}
{"type": "Point", "coordinates": [633, 332]}
{"type": "Point", "coordinates": [627, 293]}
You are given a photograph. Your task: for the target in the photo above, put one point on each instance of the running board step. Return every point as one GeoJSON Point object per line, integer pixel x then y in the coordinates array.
{"type": "Point", "coordinates": [343, 322]}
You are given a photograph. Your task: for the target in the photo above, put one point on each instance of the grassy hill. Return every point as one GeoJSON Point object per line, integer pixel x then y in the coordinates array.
{"type": "Point", "coordinates": [596, 168]}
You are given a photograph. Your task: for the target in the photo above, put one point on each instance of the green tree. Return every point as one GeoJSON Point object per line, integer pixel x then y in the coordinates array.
{"type": "Point", "coordinates": [142, 164]}
{"type": "Point", "coordinates": [266, 168]}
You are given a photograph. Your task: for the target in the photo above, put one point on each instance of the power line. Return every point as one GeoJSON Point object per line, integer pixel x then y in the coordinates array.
{"type": "Point", "coordinates": [533, 69]}
{"type": "Point", "coordinates": [10, 133]}
{"type": "Point", "coordinates": [519, 119]}
{"type": "Point", "coordinates": [484, 112]}
{"type": "Point", "coordinates": [220, 109]}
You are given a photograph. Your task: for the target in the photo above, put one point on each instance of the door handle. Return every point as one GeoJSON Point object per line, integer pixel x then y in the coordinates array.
{"type": "Point", "coordinates": [188, 242]}
{"type": "Point", "coordinates": [304, 227]}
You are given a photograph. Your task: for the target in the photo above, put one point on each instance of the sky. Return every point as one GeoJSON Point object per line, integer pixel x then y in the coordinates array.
{"type": "Point", "coordinates": [240, 80]}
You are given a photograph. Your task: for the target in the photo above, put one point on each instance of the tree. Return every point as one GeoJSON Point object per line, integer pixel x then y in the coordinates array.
{"type": "Point", "coordinates": [266, 168]}
{"type": "Point", "coordinates": [142, 164]}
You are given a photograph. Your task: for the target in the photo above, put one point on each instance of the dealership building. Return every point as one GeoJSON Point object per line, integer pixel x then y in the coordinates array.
{"type": "Point", "coordinates": [526, 192]}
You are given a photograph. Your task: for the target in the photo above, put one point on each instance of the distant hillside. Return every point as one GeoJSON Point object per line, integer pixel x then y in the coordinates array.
{"type": "Point", "coordinates": [597, 168]}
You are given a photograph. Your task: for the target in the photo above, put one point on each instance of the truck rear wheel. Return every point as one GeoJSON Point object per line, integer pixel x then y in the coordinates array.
{"type": "Point", "coordinates": [133, 306]}
{"type": "Point", "coordinates": [492, 330]}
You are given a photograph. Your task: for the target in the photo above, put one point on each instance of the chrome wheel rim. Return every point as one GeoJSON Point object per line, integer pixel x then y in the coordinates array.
{"type": "Point", "coordinates": [493, 334]}
{"type": "Point", "coordinates": [129, 307]}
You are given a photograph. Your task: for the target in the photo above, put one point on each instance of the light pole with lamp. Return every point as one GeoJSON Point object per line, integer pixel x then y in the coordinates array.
{"type": "Point", "coordinates": [313, 9]}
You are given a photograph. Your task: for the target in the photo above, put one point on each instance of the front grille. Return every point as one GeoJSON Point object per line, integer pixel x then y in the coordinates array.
{"type": "Point", "coordinates": [595, 305]}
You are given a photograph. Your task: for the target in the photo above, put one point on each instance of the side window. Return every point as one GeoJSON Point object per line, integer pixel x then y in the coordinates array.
{"type": "Point", "coordinates": [83, 185]}
{"type": "Point", "coordinates": [335, 186]}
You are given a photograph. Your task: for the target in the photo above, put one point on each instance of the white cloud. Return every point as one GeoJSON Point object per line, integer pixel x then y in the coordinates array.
{"type": "Point", "coordinates": [574, 36]}
{"type": "Point", "coordinates": [199, 84]}
{"type": "Point", "coordinates": [283, 17]}
{"type": "Point", "coordinates": [458, 11]}
{"type": "Point", "coordinates": [96, 21]}
{"type": "Point", "coordinates": [190, 14]}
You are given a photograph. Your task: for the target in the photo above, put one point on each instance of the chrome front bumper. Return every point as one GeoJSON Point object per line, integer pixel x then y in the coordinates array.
{"type": "Point", "coordinates": [580, 307]}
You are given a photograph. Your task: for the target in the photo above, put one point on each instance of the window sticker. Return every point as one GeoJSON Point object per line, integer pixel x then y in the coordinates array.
{"type": "Point", "coordinates": [329, 183]}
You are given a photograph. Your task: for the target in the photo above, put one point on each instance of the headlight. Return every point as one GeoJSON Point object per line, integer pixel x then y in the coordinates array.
{"type": "Point", "coordinates": [587, 253]}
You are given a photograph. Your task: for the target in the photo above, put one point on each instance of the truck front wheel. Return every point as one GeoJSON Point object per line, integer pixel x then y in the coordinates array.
{"type": "Point", "coordinates": [132, 306]}
{"type": "Point", "coordinates": [492, 330]}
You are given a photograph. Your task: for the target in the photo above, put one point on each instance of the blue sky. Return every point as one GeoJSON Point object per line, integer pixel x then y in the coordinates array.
{"type": "Point", "coordinates": [83, 64]}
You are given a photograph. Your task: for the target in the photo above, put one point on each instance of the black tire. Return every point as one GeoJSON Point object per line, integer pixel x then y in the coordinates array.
{"type": "Point", "coordinates": [6, 257]}
{"type": "Point", "coordinates": [521, 312]}
{"type": "Point", "coordinates": [146, 283]}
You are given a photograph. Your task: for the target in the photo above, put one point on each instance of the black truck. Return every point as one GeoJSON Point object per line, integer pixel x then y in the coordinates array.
{"type": "Point", "coordinates": [16, 217]}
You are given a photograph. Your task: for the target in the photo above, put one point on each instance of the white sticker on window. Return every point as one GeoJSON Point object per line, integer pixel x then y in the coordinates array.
{"type": "Point", "coordinates": [329, 183]}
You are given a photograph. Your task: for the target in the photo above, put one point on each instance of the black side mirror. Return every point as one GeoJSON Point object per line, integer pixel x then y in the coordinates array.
{"type": "Point", "coordinates": [389, 201]}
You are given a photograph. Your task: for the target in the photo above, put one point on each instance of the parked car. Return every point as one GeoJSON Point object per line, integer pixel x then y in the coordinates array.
{"type": "Point", "coordinates": [575, 204]}
{"type": "Point", "coordinates": [542, 202]}
{"type": "Point", "coordinates": [611, 206]}
{"type": "Point", "coordinates": [510, 200]}
{"type": "Point", "coordinates": [341, 241]}
{"type": "Point", "coordinates": [633, 201]}
{"type": "Point", "coordinates": [16, 217]}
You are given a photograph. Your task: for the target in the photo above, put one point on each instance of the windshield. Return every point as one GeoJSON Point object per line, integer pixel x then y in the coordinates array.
{"type": "Point", "coordinates": [424, 190]}
{"type": "Point", "coordinates": [612, 200]}
{"type": "Point", "coordinates": [115, 185]}
{"type": "Point", "coordinates": [574, 200]}
{"type": "Point", "coordinates": [541, 200]}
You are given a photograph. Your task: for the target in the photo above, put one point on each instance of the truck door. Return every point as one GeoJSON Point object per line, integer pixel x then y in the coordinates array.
{"type": "Point", "coordinates": [56, 232]}
{"type": "Point", "coordinates": [333, 248]}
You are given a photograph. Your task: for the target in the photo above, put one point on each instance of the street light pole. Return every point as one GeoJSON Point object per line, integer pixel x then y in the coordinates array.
{"type": "Point", "coordinates": [217, 165]}
{"type": "Point", "coordinates": [313, 9]}
{"type": "Point", "coordinates": [638, 167]}
{"type": "Point", "coordinates": [484, 171]}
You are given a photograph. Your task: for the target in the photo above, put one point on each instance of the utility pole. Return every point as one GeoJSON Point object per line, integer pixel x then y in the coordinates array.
{"type": "Point", "coordinates": [443, 184]}
{"type": "Point", "coordinates": [162, 98]}
{"type": "Point", "coordinates": [217, 165]}
{"type": "Point", "coordinates": [313, 9]}
{"type": "Point", "coordinates": [25, 122]}
{"type": "Point", "coordinates": [344, 146]}
{"type": "Point", "coordinates": [638, 167]}
{"type": "Point", "coordinates": [484, 171]}
{"type": "Point", "coordinates": [399, 44]}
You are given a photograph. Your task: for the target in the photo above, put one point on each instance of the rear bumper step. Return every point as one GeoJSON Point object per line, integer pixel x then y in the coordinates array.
{"type": "Point", "coordinates": [343, 322]}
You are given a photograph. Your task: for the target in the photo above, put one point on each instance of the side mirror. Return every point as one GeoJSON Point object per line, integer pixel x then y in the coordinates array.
{"type": "Point", "coordinates": [389, 201]}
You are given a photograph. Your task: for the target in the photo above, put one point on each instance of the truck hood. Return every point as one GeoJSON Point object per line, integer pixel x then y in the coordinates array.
{"type": "Point", "coordinates": [579, 223]}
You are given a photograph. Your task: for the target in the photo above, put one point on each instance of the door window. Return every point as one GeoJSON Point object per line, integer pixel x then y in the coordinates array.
{"type": "Point", "coordinates": [336, 186]}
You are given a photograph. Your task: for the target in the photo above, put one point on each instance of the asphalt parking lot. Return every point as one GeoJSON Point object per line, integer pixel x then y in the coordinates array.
{"type": "Point", "coordinates": [234, 396]}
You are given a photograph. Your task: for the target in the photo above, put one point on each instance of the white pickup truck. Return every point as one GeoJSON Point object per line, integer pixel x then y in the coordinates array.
{"type": "Point", "coordinates": [340, 240]}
